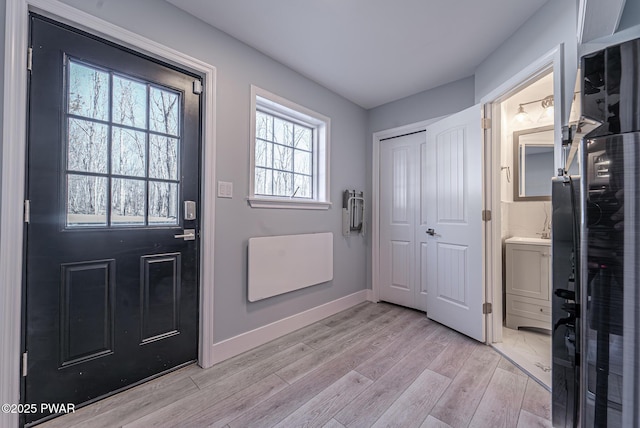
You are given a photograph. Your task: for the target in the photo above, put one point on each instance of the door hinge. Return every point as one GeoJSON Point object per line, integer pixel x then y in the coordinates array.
{"type": "Point", "coordinates": [24, 364]}
{"type": "Point", "coordinates": [485, 123]}
{"type": "Point", "coordinates": [197, 87]}
{"type": "Point", "coordinates": [486, 215]}
{"type": "Point", "coordinates": [27, 210]}
{"type": "Point", "coordinates": [29, 59]}
{"type": "Point", "coordinates": [486, 308]}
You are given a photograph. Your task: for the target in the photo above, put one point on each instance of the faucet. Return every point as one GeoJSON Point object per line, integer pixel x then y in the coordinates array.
{"type": "Point", "coordinates": [546, 228]}
{"type": "Point", "coordinates": [544, 235]}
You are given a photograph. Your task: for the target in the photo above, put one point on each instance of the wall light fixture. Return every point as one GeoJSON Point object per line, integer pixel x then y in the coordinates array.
{"type": "Point", "coordinates": [547, 109]}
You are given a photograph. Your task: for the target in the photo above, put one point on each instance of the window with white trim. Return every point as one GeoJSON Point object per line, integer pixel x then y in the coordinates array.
{"type": "Point", "coordinates": [289, 154]}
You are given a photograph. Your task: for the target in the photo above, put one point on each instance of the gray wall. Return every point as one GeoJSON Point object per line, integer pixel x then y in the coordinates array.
{"type": "Point", "coordinates": [630, 15]}
{"type": "Point", "coordinates": [553, 24]}
{"type": "Point", "coordinates": [440, 101]}
{"type": "Point", "coordinates": [2, 25]}
{"type": "Point", "coordinates": [238, 66]}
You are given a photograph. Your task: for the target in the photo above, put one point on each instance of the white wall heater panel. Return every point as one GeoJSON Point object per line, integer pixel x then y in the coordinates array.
{"type": "Point", "coordinates": [279, 264]}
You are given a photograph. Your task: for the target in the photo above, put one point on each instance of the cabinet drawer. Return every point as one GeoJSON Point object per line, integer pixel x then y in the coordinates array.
{"type": "Point", "coordinates": [529, 308]}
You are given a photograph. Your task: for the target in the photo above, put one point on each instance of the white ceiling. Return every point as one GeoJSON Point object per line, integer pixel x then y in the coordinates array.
{"type": "Point", "coordinates": [370, 51]}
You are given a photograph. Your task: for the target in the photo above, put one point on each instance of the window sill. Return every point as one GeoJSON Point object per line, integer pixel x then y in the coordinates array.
{"type": "Point", "coordinates": [288, 204]}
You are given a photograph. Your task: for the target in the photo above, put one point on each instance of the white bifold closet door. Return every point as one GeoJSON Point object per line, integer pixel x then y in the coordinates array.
{"type": "Point", "coordinates": [402, 277]}
{"type": "Point", "coordinates": [431, 222]}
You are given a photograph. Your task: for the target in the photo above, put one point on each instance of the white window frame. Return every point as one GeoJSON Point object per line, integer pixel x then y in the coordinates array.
{"type": "Point", "coordinates": [276, 105]}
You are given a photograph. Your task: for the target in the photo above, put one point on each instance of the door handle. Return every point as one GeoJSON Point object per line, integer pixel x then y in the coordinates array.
{"type": "Point", "coordinates": [189, 235]}
{"type": "Point", "coordinates": [431, 232]}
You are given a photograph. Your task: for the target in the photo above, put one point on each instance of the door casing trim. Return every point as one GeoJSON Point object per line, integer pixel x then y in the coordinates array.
{"type": "Point", "coordinates": [14, 173]}
{"type": "Point", "coordinates": [492, 175]}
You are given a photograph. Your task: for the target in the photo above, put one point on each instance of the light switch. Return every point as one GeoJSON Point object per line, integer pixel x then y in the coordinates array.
{"type": "Point", "coordinates": [225, 189]}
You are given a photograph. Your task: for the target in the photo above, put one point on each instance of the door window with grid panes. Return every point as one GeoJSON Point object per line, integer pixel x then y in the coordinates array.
{"type": "Point", "coordinates": [123, 145]}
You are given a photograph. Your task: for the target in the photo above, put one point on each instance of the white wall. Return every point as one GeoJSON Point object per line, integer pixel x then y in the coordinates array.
{"type": "Point", "coordinates": [527, 219]}
{"type": "Point", "coordinates": [238, 66]}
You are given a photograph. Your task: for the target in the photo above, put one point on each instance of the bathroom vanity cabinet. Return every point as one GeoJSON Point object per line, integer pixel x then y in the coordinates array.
{"type": "Point", "coordinates": [528, 285]}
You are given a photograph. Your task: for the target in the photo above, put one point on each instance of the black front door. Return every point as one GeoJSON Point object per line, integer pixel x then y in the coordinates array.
{"type": "Point", "coordinates": [113, 176]}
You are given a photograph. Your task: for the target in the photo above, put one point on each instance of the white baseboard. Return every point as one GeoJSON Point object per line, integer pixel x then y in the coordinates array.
{"type": "Point", "coordinates": [236, 345]}
{"type": "Point", "coordinates": [370, 296]}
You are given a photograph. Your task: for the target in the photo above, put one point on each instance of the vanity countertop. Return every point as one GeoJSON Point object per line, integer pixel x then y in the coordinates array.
{"type": "Point", "coordinates": [525, 240]}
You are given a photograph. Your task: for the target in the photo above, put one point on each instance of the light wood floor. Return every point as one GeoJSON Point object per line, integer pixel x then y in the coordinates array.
{"type": "Point", "coordinates": [372, 365]}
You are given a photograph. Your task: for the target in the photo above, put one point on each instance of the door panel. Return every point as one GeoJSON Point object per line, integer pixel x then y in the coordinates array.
{"type": "Point", "coordinates": [400, 271]}
{"type": "Point", "coordinates": [111, 295]}
{"type": "Point", "coordinates": [453, 192]}
{"type": "Point", "coordinates": [400, 182]}
{"type": "Point", "coordinates": [160, 284]}
{"type": "Point", "coordinates": [400, 265]}
{"type": "Point", "coordinates": [452, 283]}
{"type": "Point", "coordinates": [422, 271]}
{"type": "Point", "coordinates": [87, 294]}
{"type": "Point", "coordinates": [450, 156]}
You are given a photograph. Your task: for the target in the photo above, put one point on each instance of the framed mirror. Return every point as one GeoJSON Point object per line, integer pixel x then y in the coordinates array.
{"type": "Point", "coordinates": [533, 164]}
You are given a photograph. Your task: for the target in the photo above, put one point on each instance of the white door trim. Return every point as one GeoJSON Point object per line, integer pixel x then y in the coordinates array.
{"type": "Point", "coordinates": [14, 170]}
{"type": "Point", "coordinates": [375, 195]}
{"type": "Point", "coordinates": [492, 174]}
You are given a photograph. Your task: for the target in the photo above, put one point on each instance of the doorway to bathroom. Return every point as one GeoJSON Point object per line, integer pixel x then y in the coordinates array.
{"type": "Point", "coordinates": [524, 131]}
{"type": "Point", "coordinates": [526, 168]}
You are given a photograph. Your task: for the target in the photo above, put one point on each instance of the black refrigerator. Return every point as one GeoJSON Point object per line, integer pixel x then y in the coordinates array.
{"type": "Point", "coordinates": [596, 249]}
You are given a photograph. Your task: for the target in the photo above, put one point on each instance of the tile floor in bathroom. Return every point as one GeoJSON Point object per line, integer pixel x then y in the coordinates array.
{"type": "Point", "coordinates": [529, 349]}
